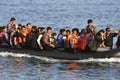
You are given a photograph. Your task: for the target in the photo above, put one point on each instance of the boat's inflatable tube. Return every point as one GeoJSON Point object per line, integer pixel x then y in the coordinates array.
{"type": "Point", "coordinates": [66, 56]}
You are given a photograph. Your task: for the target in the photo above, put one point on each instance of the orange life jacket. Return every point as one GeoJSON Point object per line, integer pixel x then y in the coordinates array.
{"type": "Point", "coordinates": [74, 41]}
{"type": "Point", "coordinates": [68, 37]}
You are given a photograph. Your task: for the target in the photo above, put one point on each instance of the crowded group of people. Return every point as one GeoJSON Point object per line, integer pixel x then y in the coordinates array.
{"type": "Point", "coordinates": [41, 38]}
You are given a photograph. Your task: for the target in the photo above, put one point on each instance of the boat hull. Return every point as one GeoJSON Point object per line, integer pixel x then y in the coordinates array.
{"type": "Point", "coordinates": [66, 55]}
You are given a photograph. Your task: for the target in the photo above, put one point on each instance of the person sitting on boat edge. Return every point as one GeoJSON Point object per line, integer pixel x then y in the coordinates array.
{"type": "Point", "coordinates": [61, 39]}
{"type": "Point", "coordinates": [47, 44]}
{"type": "Point", "coordinates": [109, 37]}
{"type": "Point", "coordinates": [10, 30]}
{"type": "Point", "coordinates": [40, 38]}
{"type": "Point", "coordinates": [118, 40]}
{"type": "Point", "coordinates": [4, 42]}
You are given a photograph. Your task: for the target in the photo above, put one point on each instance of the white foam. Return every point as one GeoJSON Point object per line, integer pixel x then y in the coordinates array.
{"type": "Point", "coordinates": [106, 60]}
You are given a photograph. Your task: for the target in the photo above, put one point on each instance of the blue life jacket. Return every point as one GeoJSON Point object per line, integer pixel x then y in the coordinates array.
{"type": "Point", "coordinates": [60, 41]}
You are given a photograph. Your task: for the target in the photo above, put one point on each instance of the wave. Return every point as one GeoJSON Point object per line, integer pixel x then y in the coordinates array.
{"type": "Point", "coordinates": [48, 59]}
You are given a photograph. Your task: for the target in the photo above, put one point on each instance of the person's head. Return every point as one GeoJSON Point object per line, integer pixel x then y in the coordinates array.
{"type": "Point", "coordinates": [54, 35]}
{"type": "Point", "coordinates": [68, 32]}
{"type": "Point", "coordinates": [42, 30]}
{"type": "Point", "coordinates": [119, 33]}
{"type": "Point", "coordinates": [19, 26]}
{"type": "Point", "coordinates": [108, 30]}
{"type": "Point", "coordinates": [63, 31]}
{"type": "Point", "coordinates": [49, 30]}
{"type": "Point", "coordinates": [23, 29]}
{"type": "Point", "coordinates": [90, 22]}
{"type": "Point", "coordinates": [83, 31]}
{"type": "Point", "coordinates": [4, 29]}
{"type": "Point", "coordinates": [29, 26]}
{"type": "Point", "coordinates": [12, 20]}
{"type": "Point", "coordinates": [75, 31]}
{"type": "Point", "coordinates": [101, 32]}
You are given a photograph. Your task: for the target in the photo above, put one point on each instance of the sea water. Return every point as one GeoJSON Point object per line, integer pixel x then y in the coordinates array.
{"type": "Point", "coordinates": [59, 14]}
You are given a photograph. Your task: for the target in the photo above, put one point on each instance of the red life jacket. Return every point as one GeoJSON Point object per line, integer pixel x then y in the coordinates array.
{"type": "Point", "coordinates": [2, 37]}
{"type": "Point", "coordinates": [83, 42]}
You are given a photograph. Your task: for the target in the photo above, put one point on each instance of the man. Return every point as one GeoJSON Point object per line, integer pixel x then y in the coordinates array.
{"type": "Point", "coordinates": [11, 25]}
{"type": "Point", "coordinates": [4, 37]}
{"type": "Point", "coordinates": [91, 27]}
{"type": "Point", "coordinates": [109, 37]}
{"type": "Point", "coordinates": [47, 40]}
{"type": "Point", "coordinates": [10, 30]}
{"type": "Point", "coordinates": [28, 28]}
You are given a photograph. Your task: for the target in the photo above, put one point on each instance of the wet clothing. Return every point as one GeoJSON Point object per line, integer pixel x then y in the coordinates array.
{"type": "Point", "coordinates": [109, 39]}
{"type": "Point", "coordinates": [118, 42]}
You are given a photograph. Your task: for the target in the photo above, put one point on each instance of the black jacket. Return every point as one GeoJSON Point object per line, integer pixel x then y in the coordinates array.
{"type": "Point", "coordinates": [109, 39]}
{"type": "Point", "coordinates": [118, 42]}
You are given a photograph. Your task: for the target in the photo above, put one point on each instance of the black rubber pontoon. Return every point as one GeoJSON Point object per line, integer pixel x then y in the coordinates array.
{"type": "Point", "coordinates": [65, 55]}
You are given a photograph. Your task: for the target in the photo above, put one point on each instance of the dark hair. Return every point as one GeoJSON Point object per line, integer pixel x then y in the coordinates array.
{"type": "Point", "coordinates": [62, 30]}
{"type": "Point", "coordinates": [53, 34]}
{"type": "Point", "coordinates": [19, 24]}
{"type": "Point", "coordinates": [12, 19]}
{"type": "Point", "coordinates": [107, 28]}
{"type": "Point", "coordinates": [28, 24]}
{"type": "Point", "coordinates": [49, 28]}
{"type": "Point", "coordinates": [90, 21]}
{"type": "Point", "coordinates": [23, 26]}
{"type": "Point", "coordinates": [83, 31]}
{"type": "Point", "coordinates": [42, 28]}
{"type": "Point", "coordinates": [100, 31]}
{"type": "Point", "coordinates": [68, 31]}
{"type": "Point", "coordinates": [34, 27]}
{"type": "Point", "coordinates": [75, 29]}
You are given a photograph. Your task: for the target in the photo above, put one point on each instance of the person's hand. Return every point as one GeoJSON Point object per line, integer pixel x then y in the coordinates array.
{"type": "Point", "coordinates": [41, 47]}
{"type": "Point", "coordinates": [53, 46]}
